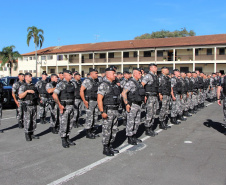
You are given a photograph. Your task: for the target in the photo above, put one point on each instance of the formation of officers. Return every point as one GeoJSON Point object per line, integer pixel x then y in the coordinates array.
{"type": "Point", "coordinates": [176, 96]}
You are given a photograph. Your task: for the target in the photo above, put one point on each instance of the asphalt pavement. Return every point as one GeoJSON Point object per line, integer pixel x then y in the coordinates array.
{"type": "Point", "coordinates": [192, 153]}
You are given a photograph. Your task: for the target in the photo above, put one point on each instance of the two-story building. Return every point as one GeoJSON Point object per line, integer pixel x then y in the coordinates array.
{"type": "Point", "coordinates": [205, 53]}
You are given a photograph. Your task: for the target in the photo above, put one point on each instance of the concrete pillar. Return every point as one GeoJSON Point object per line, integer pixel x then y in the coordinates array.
{"type": "Point", "coordinates": [138, 58]}
{"type": "Point", "coordinates": [121, 68]}
{"type": "Point", "coordinates": [122, 56]}
{"type": "Point", "coordinates": [215, 67]}
{"type": "Point", "coordinates": [155, 55]}
{"type": "Point", "coordinates": [193, 69]}
{"type": "Point", "coordinates": [193, 54]}
{"type": "Point", "coordinates": [174, 54]}
{"type": "Point", "coordinates": [107, 59]}
{"type": "Point", "coordinates": [215, 53]}
{"type": "Point", "coordinates": [174, 66]}
{"type": "Point", "coordinates": [80, 69]}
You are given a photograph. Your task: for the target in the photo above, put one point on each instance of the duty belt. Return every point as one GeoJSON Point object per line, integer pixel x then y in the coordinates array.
{"type": "Point", "coordinates": [66, 103]}
{"type": "Point", "coordinates": [111, 107]}
{"type": "Point", "coordinates": [43, 95]}
{"type": "Point", "coordinates": [137, 103]}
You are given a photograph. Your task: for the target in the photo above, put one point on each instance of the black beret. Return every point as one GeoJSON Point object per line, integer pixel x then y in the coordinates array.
{"type": "Point", "coordinates": [176, 70]}
{"type": "Point", "coordinates": [54, 75]}
{"type": "Point", "coordinates": [113, 66]}
{"type": "Point", "coordinates": [152, 64]}
{"type": "Point", "coordinates": [88, 74]}
{"type": "Point", "coordinates": [138, 69]}
{"type": "Point", "coordinates": [92, 69]}
{"type": "Point", "coordinates": [27, 74]}
{"type": "Point", "coordinates": [61, 73]}
{"type": "Point", "coordinates": [189, 72]}
{"type": "Point", "coordinates": [44, 73]}
{"type": "Point", "coordinates": [68, 71]}
{"type": "Point", "coordinates": [109, 69]}
{"type": "Point", "coordinates": [21, 74]}
{"type": "Point", "coordinates": [119, 73]}
{"type": "Point", "coordinates": [126, 72]}
{"type": "Point", "coordinates": [76, 74]}
{"type": "Point", "coordinates": [194, 72]}
{"type": "Point", "coordinates": [164, 67]}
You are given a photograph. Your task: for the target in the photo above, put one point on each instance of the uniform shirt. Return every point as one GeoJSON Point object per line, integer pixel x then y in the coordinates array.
{"type": "Point", "coordinates": [123, 82]}
{"type": "Point", "coordinates": [88, 83]}
{"type": "Point", "coordinates": [100, 78]}
{"type": "Point", "coordinates": [22, 90]}
{"type": "Point", "coordinates": [61, 86]}
{"type": "Point", "coordinates": [16, 86]}
{"type": "Point", "coordinates": [49, 86]}
{"type": "Point", "coordinates": [104, 88]}
{"type": "Point", "coordinates": [173, 81]}
{"type": "Point", "coordinates": [38, 85]}
{"type": "Point", "coordinates": [211, 81]}
{"type": "Point", "coordinates": [148, 79]}
{"type": "Point", "coordinates": [131, 86]}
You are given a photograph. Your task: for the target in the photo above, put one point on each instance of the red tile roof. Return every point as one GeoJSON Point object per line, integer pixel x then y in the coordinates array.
{"type": "Point", "coordinates": [219, 39]}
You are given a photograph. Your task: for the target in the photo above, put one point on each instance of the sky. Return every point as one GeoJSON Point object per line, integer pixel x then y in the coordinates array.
{"type": "Point", "coordinates": [67, 22]}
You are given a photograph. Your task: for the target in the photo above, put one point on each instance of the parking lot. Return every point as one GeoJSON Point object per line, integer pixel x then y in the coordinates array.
{"type": "Point", "coordinates": [193, 152]}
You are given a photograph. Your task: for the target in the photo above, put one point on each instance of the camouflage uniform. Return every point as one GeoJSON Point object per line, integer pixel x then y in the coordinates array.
{"type": "Point", "coordinates": [122, 83]}
{"type": "Point", "coordinates": [29, 108]}
{"type": "Point", "coordinates": [66, 118]}
{"type": "Point", "coordinates": [44, 106]}
{"type": "Point", "coordinates": [184, 101]}
{"type": "Point", "coordinates": [177, 107]}
{"type": "Point", "coordinates": [190, 92]}
{"type": "Point", "coordinates": [152, 100]}
{"type": "Point", "coordinates": [92, 111]}
{"type": "Point", "coordinates": [15, 89]}
{"type": "Point", "coordinates": [54, 110]}
{"type": "Point", "coordinates": [200, 92]}
{"type": "Point", "coordinates": [195, 93]}
{"type": "Point", "coordinates": [110, 125]}
{"type": "Point", "coordinates": [212, 88]}
{"type": "Point", "coordinates": [133, 117]}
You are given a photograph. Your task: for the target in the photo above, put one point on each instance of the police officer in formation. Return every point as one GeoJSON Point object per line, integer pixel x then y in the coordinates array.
{"type": "Point", "coordinates": [15, 95]}
{"type": "Point", "coordinates": [43, 94]}
{"type": "Point", "coordinates": [108, 103]}
{"type": "Point", "coordinates": [28, 94]}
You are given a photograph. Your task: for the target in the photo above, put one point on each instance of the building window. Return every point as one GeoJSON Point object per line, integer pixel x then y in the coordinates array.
{"type": "Point", "coordinates": [34, 58]}
{"type": "Point", "coordinates": [159, 53]}
{"type": "Point", "coordinates": [30, 58]}
{"type": "Point", "coordinates": [135, 54]}
{"type": "Point", "coordinates": [125, 54]}
{"type": "Point", "coordinates": [50, 57]}
{"type": "Point", "coordinates": [43, 57]}
{"type": "Point", "coordinates": [34, 71]}
{"type": "Point", "coordinates": [25, 58]}
{"type": "Point", "coordinates": [147, 53]}
{"type": "Point", "coordinates": [20, 71]}
{"type": "Point", "coordinates": [198, 69]}
{"type": "Point", "coordinates": [30, 71]}
{"type": "Point", "coordinates": [102, 70]}
{"type": "Point", "coordinates": [52, 70]}
{"type": "Point", "coordinates": [111, 55]}
{"type": "Point", "coordinates": [64, 69]}
{"type": "Point", "coordinates": [59, 57]}
{"type": "Point", "coordinates": [72, 70]}
{"type": "Point", "coordinates": [25, 71]}
{"type": "Point", "coordinates": [221, 51]}
{"type": "Point", "coordinates": [196, 52]}
{"type": "Point", "coordinates": [102, 55]}
{"type": "Point", "coordinates": [90, 56]}
{"type": "Point", "coordinates": [209, 51]}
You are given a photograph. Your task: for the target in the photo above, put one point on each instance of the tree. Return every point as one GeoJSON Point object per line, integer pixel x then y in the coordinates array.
{"type": "Point", "coordinates": [166, 34]}
{"type": "Point", "coordinates": [9, 56]}
{"type": "Point", "coordinates": [37, 35]}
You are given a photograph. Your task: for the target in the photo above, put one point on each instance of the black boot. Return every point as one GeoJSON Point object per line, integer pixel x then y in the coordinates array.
{"type": "Point", "coordinates": [149, 132]}
{"type": "Point", "coordinates": [107, 151]}
{"type": "Point", "coordinates": [180, 117]}
{"type": "Point", "coordinates": [89, 134]}
{"type": "Point", "coordinates": [165, 123]}
{"type": "Point", "coordinates": [20, 124]}
{"type": "Point", "coordinates": [34, 136]}
{"type": "Point", "coordinates": [64, 142]}
{"type": "Point", "coordinates": [203, 105]}
{"type": "Point", "coordinates": [187, 114]}
{"type": "Point", "coordinates": [27, 137]}
{"type": "Point", "coordinates": [196, 108]}
{"type": "Point", "coordinates": [113, 150]}
{"type": "Point", "coordinates": [69, 141]}
{"type": "Point", "coordinates": [54, 130]}
{"type": "Point", "coordinates": [174, 121]}
{"type": "Point", "coordinates": [42, 120]}
{"type": "Point", "coordinates": [131, 141]}
{"type": "Point", "coordinates": [162, 125]}
{"type": "Point", "coordinates": [136, 139]}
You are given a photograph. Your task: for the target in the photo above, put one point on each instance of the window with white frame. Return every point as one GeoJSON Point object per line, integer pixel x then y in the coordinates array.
{"type": "Point", "coordinates": [43, 57]}
{"type": "Point", "coordinates": [50, 57]}
{"type": "Point", "coordinates": [25, 58]}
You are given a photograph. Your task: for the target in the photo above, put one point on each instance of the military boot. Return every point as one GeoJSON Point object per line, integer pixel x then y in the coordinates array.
{"type": "Point", "coordinates": [136, 139]}
{"type": "Point", "coordinates": [167, 126]}
{"type": "Point", "coordinates": [180, 117]}
{"type": "Point", "coordinates": [64, 142]}
{"type": "Point", "coordinates": [33, 136]}
{"type": "Point", "coordinates": [149, 132]}
{"type": "Point", "coordinates": [131, 140]}
{"type": "Point", "coordinates": [174, 121]}
{"type": "Point", "coordinates": [203, 105]}
{"type": "Point", "coordinates": [187, 114]}
{"type": "Point", "coordinates": [28, 137]}
{"type": "Point", "coordinates": [107, 151]}
{"type": "Point", "coordinates": [162, 125]}
{"type": "Point", "coordinates": [54, 130]}
{"type": "Point", "coordinates": [42, 120]}
{"type": "Point", "coordinates": [113, 150]}
{"type": "Point", "coordinates": [20, 124]}
{"type": "Point", "coordinates": [69, 141]}
{"type": "Point", "coordinates": [90, 134]}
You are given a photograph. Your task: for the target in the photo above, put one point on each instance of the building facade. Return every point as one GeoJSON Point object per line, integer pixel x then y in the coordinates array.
{"type": "Point", "coordinates": [204, 53]}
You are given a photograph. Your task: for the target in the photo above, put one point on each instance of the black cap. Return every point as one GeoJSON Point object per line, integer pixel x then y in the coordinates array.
{"type": "Point", "coordinates": [92, 69]}
{"type": "Point", "coordinates": [61, 73]}
{"type": "Point", "coordinates": [119, 73]}
{"type": "Point", "coordinates": [176, 70]}
{"type": "Point", "coordinates": [109, 69]}
{"type": "Point", "coordinates": [164, 67]}
{"type": "Point", "coordinates": [54, 75]}
{"type": "Point", "coordinates": [21, 74]}
{"type": "Point", "coordinates": [126, 72]}
{"type": "Point", "coordinates": [189, 72]}
{"type": "Point", "coordinates": [152, 64]}
{"type": "Point", "coordinates": [213, 73]}
{"type": "Point", "coordinates": [27, 74]}
{"type": "Point", "coordinates": [138, 69]}
{"type": "Point", "coordinates": [194, 72]}
{"type": "Point", "coordinates": [44, 73]}
{"type": "Point", "coordinates": [76, 74]}
{"type": "Point", "coordinates": [88, 74]}
{"type": "Point", "coordinates": [113, 66]}
{"type": "Point", "coordinates": [68, 71]}
{"type": "Point", "coordinates": [183, 72]}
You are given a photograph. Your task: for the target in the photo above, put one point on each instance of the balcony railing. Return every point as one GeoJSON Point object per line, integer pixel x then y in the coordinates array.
{"type": "Point", "coordinates": [144, 59]}
{"type": "Point", "coordinates": [130, 59]}
{"type": "Point", "coordinates": [100, 60]}
{"type": "Point", "coordinates": [116, 59]}
{"type": "Point", "coordinates": [221, 57]}
{"type": "Point", "coordinates": [75, 61]}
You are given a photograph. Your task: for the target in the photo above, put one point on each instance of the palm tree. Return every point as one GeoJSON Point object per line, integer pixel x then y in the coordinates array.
{"type": "Point", "coordinates": [9, 56]}
{"type": "Point", "coordinates": [37, 35]}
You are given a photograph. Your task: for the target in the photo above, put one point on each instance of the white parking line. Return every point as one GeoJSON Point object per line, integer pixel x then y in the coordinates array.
{"type": "Point", "coordinates": [9, 118]}
{"type": "Point", "coordinates": [208, 104]}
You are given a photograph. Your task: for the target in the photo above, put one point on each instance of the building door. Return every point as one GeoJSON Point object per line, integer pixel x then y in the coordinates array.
{"type": "Point", "coordinates": [198, 69]}
{"type": "Point", "coordinates": [170, 55]}
{"type": "Point", "coordinates": [221, 71]}
{"type": "Point", "coordinates": [184, 69]}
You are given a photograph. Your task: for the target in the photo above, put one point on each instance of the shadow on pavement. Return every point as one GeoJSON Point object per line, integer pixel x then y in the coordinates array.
{"type": "Point", "coordinates": [47, 131]}
{"type": "Point", "coordinates": [12, 127]}
{"type": "Point", "coordinates": [215, 125]}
